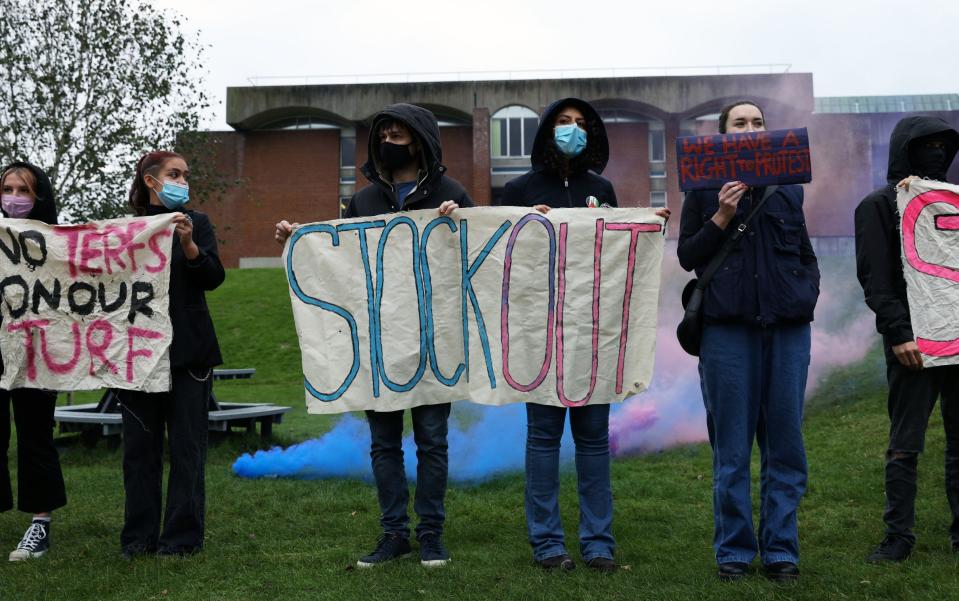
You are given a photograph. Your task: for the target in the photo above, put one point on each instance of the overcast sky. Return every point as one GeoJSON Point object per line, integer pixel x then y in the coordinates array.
{"type": "Point", "coordinates": [852, 47]}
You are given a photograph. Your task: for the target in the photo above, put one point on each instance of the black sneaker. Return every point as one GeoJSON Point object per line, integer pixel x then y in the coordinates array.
{"type": "Point", "coordinates": [602, 564]}
{"type": "Point", "coordinates": [782, 571]}
{"type": "Point", "coordinates": [732, 571]}
{"type": "Point", "coordinates": [388, 547]}
{"type": "Point", "coordinates": [557, 562]}
{"type": "Point", "coordinates": [432, 552]}
{"type": "Point", "coordinates": [35, 542]}
{"type": "Point", "coordinates": [892, 548]}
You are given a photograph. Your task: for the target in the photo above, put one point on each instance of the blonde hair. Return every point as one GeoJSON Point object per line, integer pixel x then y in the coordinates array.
{"type": "Point", "coordinates": [25, 174]}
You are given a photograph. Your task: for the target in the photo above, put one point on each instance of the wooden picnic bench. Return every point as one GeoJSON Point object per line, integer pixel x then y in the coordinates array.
{"type": "Point", "coordinates": [101, 419]}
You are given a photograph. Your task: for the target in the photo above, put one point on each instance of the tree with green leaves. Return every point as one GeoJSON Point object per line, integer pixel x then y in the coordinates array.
{"type": "Point", "coordinates": [87, 86]}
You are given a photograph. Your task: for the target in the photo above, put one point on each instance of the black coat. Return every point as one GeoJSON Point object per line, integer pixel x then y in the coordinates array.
{"type": "Point", "coordinates": [878, 246]}
{"type": "Point", "coordinates": [433, 186]}
{"type": "Point", "coordinates": [543, 184]}
{"type": "Point", "coordinates": [771, 276]}
{"type": "Point", "coordinates": [194, 339]}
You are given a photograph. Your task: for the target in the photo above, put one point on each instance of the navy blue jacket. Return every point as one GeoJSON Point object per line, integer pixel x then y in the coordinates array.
{"type": "Point", "coordinates": [771, 276]}
{"type": "Point", "coordinates": [545, 185]}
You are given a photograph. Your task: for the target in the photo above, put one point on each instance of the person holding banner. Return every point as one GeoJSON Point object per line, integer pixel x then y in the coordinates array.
{"type": "Point", "coordinates": [406, 172]}
{"type": "Point", "coordinates": [923, 147]}
{"type": "Point", "coordinates": [27, 194]}
{"type": "Point", "coordinates": [160, 186]}
{"type": "Point", "coordinates": [754, 357]}
{"type": "Point", "coordinates": [569, 152]}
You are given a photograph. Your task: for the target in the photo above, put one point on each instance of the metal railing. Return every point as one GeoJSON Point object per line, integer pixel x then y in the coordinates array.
{"type": "Point", "coordinates": [518, 74]}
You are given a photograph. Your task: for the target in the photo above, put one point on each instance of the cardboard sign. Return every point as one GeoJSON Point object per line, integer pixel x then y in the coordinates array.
{"type": "Point", "coordinates": [493, 305]}
{"type": "Point", "coordinates": [86, 306]}
{"type": "Point", "coordinates": [759, 158]}
{"type": "Point", "coordinates": [930, 263]}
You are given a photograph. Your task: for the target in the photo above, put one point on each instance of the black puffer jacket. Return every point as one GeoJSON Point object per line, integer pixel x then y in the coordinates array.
{"type": "Point", "coordinates": [543, 184]}
{"type": "Point", "coordinates": [878, 246]}
{"type": "Point", "coordinates": [194, 339]}
{"type": "Point", "coordinates": [44, 207]}
{"type": "Point", "coordinates": [433, 186]}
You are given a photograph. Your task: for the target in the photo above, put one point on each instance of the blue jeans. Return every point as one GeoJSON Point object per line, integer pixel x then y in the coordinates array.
{"type": "Point", "coordinates": [753, 381]}
{"type": "Point", "coordinates": [590, 426]}
{"type": "Point", "coordinates": [386, 452]}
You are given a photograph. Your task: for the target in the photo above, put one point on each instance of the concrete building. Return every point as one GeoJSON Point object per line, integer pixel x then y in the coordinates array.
{"type": "Point", "coordinates": [296, 149]}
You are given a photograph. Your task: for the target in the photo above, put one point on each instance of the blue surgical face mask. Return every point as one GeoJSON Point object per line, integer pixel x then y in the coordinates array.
{"type": "Point", "coordinates": [570, 139]}
{"type": "Point", "coordinates": [174, 195]}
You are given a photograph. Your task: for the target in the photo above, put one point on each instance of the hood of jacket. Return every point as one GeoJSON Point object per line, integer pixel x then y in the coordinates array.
{"type": "Point", "coordinates": [45, 207]}
{"type": "Point", "coordinates": [594, 156]}
{"type": "Point", "coordinates": [426, 132]}
{"type": "Point", "coordinates": [906, 132]}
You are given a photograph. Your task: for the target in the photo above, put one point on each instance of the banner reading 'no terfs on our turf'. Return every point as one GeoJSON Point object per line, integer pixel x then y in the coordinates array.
{"type": "Point", "coordinates": [930, 262]}
{"type": "Point", "coordinates": [86, 306]}
{"type": "Point", "coordinates": [759, 158]}
{"type": "Point", "coordinates": [491, 305]}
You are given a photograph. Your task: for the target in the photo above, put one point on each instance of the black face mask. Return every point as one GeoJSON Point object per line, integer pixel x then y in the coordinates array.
{"type": "Point", "coordinates": [395, 156]}
{"type": "Point", "coordinates": [929, 161]}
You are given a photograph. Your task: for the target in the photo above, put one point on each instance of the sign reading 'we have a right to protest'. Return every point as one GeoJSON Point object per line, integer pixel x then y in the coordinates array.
{"type": "Point", "coordinates": [494, 305]}
{"type": "Point", "coordinates": [85, 306]}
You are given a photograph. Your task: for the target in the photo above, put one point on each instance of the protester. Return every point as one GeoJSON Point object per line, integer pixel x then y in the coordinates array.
{"type": "Point", "coordinates": [160, 187]}
{"type": "Point", "coordinates": [569, 152]}
{"type": "Point", "coordinates": [754, 357]}
{"type": "Point", "coordinates": [27, 194]}
{"type": "Point", "coordinates": [406, 172]}
{"type": "Point", "coordinates": [919, 147]}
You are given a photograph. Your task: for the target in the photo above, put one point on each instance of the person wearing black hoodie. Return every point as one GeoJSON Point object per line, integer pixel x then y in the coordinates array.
{"type": "Point", "coordinates": [569, 152]}
{"type": "Point", "coordinates": [160, 186]}
{"type": "Point", "coordinates": [406, 172]}
{"type": "Point", "coordinates": [27, 194]}
{"type": "Point", "coordinates": [921, 147]}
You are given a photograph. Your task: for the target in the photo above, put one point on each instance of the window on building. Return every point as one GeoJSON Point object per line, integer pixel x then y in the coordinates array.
{"type": "Point", "coordinates": [300, 122]}
{"type": "Point", "coordinates": [657, 199]}
{"type": "Point", "coordinates": [512, 131]}
{"type": "Point", "coordinates": [347, 151]}
{"type": "Point", "coordinates": [657, 143]}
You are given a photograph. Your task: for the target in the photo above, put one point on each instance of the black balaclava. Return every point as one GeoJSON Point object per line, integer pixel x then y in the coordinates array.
{"type": "Point", "coordinates": [929, 160]}
{"type": "Point", "coordinates": [395, 156]}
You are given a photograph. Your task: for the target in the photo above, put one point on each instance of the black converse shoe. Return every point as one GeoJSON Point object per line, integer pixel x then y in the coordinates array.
{"type": "Point", "coordinates": [35, 542]}
{"type": "Point", "coordinates": [433, 553]}
{"type": "Point", "coordinates": [388, 547]}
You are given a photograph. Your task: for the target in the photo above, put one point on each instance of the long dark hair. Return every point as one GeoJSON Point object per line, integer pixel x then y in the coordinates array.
{"type": "Point", "coordinates": [149, 164]}
{"type": "Point", "coordinates": [724, 114]}
{"type": "Point", "coordinates": [556, 162]}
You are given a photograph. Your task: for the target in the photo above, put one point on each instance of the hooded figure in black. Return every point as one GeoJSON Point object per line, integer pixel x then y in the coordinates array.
{"type": "Point", "coordinates": [560, 182]}
{"type": "Point", "coordinates": [566, 178]}
{"type": "Point", "coordinates": [921, 147]}
{"type": "Point", "coordinates": [431, 186]}
{"type": "Point", "coordinates": [40, 487]}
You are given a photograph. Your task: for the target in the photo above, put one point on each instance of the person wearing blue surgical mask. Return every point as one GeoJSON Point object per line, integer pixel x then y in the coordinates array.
{"type": "Point", "coordinates": [569, 153]}
{"type": "Point", "coordinates": [160, 187]}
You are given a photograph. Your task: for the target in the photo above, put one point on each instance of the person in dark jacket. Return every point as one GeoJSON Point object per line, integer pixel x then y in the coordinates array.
{"type": "Point", "coordinates": [923, 147]}
{"type": "Point", "coordinates": [754, 357]}
{"type": "Point", "coordinates": [569, 153]}
{"type": "Point", "coordinates": [406, 172]}
{"type": "Point", "coordinates": [160, 186]}
{"type": "Point", "coordinates": [27, 194]}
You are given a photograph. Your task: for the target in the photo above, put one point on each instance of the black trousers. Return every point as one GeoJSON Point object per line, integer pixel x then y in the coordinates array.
{"type": "Point", "coordinates": [183, 414]}
{"type": "Point", "coordinates": [912, 398]}
{"type": "Point", "coordinates": [40, 486]}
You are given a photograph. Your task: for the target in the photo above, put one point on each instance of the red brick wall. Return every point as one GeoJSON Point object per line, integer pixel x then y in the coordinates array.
{"type": "Point", "coordinates": [291, 175]}
{"type": "Point", "coordinates": [628, 166]}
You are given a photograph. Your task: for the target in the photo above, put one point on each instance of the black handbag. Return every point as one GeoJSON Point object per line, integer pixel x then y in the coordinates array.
{"type": "Point", "coordinates": [689, 332]}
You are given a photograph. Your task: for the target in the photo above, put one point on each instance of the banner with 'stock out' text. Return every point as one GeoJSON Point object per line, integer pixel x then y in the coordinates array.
{"type": "Point", "coordinates": [86, 306]}
{"type": "Point", "coordinates": [929, 228]}
{"type": "Point", "coordinates": [492, 305]}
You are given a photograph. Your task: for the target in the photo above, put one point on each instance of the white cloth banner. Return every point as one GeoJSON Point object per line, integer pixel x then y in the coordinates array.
{"type": "Point", "coordinates": [491, 305]}
{"type": "Point", "coordinates": [86, 306]}
{"type": "Point", "coordinates": [929, 225]}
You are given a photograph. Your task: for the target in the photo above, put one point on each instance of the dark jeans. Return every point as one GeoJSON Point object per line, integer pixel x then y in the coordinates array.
{"type": "Point", "coordinates": [544, 431]}
{"type": "Point", "coordinates": [183, 412]}
{"type": "Point", "coordinates": [912, 398]}
{"type": "Point", "coordinates": [386, 452]}
{"type": "Point", "coordinates": [40, 485]}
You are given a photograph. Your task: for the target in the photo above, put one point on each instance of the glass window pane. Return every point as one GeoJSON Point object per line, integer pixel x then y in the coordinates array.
{"type": "Point", "coordinates": [498, 137]}
{"type": "Point", "coordinates": [657, 145]}
{"type": "Point", "coordinates": [347, 152]}
{"type": "Point", "coordinates": [657, 199]}
{"type": "Point", "coordinates": [529, 134]}
{"type": "Point", "coordinates": [515, 138]}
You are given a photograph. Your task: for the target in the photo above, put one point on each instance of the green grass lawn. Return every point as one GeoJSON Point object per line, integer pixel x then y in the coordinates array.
{"type": "Point", "coordinates": [282, 539]}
